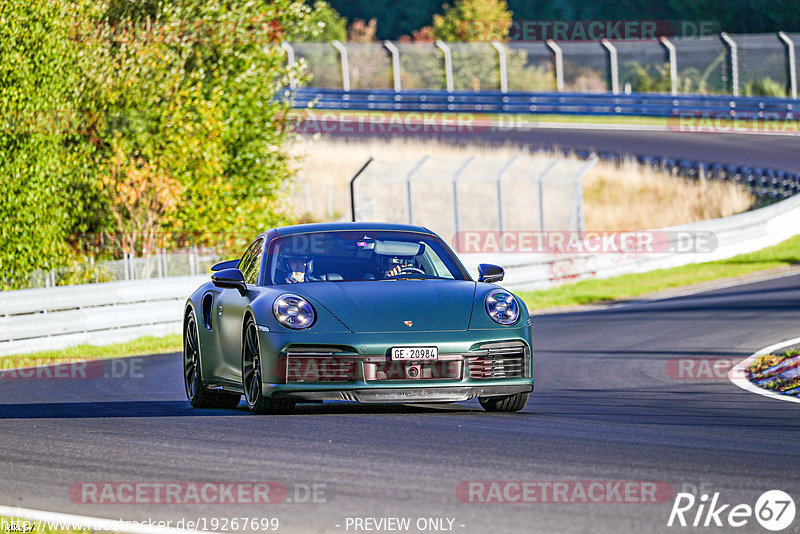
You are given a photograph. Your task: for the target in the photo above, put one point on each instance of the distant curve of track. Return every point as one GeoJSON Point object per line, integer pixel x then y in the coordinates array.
{"type": "Point", "coordinates": [777, 151]}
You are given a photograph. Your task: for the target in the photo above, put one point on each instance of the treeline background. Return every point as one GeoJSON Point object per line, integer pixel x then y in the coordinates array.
{"type": "Point", "coordinates": [396, 19]}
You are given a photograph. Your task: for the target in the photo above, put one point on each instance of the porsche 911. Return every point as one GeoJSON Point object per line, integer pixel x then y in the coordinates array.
{"type": "Point", "coordinates": [367, 312]}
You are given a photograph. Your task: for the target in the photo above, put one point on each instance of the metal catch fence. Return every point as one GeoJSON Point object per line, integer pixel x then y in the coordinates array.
{"type": "Point", "coordinates": [747, 64]}
{"type": "Point", "coordinates": [452, 195]}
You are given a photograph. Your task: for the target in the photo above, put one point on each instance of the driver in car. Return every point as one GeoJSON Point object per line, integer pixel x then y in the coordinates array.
{"type": "Point", "coordinates": [299, 269]}
{"type": "Point", "coordinates": [400, 264]}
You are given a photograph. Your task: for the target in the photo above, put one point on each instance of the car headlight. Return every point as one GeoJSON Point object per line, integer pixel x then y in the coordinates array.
{"type": "Point", "coordinates": [502, 307]}
{"type": "Point", "coordinates": [294, 312]}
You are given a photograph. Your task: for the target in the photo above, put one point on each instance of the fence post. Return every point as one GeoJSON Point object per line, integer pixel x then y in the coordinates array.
{"type": "Point", "coordinates": [733, 59]}
{"type": "Point", "coordinates": [353, 187]}
{"type": "Point", "coordinates": [390, 46]}
{"type": "Point", "coordinates": [577, 207]}
{"type": "Point", "coordinates": [501, 53]}
{"type": "Point", "coordinates": [455, 189]}
{"type": "Point", "coordinates": [193, 260]}
{"type": "Point", "coordinates": [499, 178]}
{"type": "Point", "coordinates": [329, 193]}
{"type": "Point", "coordinates": [345, 66]}
{"type": "Point", "coordinates": [161, 262]}
{"type": "Point", "coordinates": [541, 193]}
{"type": "Point", "coordinates": [448, 64]}
{"type": "Point", "coordinates": [613, 66]}
{"type": "Point", "coordinates": [558, 61]}
{"type": "Point", "coordinates": [290, 63]}
{"type": "Point", "coordinates": [672, 57]}
{"type": "Point", "coordinates": [791, 67]}
{"type": "Point", "coordinates": [409, 196]}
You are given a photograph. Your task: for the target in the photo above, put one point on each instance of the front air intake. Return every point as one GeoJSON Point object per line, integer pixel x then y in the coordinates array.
{"type": "Point", "coordinates": [499, 360]}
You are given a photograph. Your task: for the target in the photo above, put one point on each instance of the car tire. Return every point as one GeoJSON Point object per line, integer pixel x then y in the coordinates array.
{"type": "Point", "coordinates": [251, 377]}
{"type": "Point", "coordinates": [507, 403]}
{"type": "Point", "coordinates": [199, 396]}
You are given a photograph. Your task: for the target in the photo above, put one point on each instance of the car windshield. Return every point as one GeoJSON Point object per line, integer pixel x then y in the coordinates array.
{"type": "Point", "coordinates": [360, 255]}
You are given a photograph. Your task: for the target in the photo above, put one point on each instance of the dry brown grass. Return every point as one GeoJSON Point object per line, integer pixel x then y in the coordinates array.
{"type": "Point", "coordinates": [632, 197]}
{"type": "Point", "coordinates": [616, 197]}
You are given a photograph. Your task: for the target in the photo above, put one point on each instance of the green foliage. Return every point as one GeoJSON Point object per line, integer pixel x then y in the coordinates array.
{"type": "Point", "coordinates": [324, 24]}
{"type": "Point", "coordinates": [643, 80]}
{"type": "Point", "coordinates": [765, 86]}
{"type": "Point", "coordinates": [470, 20]}
{"type": "Point", "coordinates": [37, 168]}
{"type": "Point", "coordinates": [178, 97]}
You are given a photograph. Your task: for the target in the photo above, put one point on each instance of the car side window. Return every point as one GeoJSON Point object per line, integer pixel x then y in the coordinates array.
{"type": "Point", "coordinates": [251, 261]}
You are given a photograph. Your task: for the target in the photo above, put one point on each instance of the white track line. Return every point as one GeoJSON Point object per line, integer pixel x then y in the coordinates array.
{"type": "Point", "coordinates": [738, 376]}
{"type": "Point", "coordinates": [69, 521]}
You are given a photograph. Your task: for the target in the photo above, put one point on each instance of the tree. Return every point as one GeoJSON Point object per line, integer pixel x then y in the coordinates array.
{"type": "Point", "coordinates": [362, 32]}
{"type": "Point", "coordinates": [143, 198]}
{"type": "Point", "coordinates": [40, 151]}
{"type": "Point", "coordinates": [324, 24]}
{"type": "Point", "coordinates": [471, 20]}
{"type": "Point", "coordinates": [198, 97]}
{"type": "Point", "coordinates": [180, 99]}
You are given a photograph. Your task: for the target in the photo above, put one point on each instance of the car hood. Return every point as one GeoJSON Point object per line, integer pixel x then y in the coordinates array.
{"type": "Point", "coordinates": [385, 305]}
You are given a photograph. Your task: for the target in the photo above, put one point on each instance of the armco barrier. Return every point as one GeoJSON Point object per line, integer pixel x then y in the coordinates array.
{"type": "Point", "coordinates": [736, 234]}
{"type": "Point", "coordinates": [111, 312]}
{"type": "Point", "coordinates": [636, 104]}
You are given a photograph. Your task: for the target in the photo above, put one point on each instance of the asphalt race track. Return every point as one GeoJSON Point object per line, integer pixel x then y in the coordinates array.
{"type": "Point", "coordinates": [776, 151]}
{"type": "Point", "coordinates": [605, 408]}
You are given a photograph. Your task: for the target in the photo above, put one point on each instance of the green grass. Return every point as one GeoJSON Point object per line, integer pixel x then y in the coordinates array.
{"type": "Point", "coordinates": [596, 291]}
{"type": "Point", "coordinates": [626, 120]}
{"type": "Point", "coordinates": [143, 345]}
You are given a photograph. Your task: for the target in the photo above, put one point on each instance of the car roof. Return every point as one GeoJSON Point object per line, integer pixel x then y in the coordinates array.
{"type": "Point", "coordinates": [355, 226]}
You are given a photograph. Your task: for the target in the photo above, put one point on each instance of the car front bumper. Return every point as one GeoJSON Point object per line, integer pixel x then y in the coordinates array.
{"type": "Point", "coordinates": [465, 357]}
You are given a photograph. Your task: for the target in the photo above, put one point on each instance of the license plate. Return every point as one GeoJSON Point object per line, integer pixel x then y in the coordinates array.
{"type": "Point", "coordinates": [415, 353]}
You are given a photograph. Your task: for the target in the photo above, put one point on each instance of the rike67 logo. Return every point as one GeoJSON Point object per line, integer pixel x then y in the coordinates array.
{"type": "Point", "coordinates": [774, 510]}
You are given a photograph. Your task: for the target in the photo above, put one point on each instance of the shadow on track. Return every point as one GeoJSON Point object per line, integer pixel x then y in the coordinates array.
{"type": "Point", "coordinates": [89, 410]}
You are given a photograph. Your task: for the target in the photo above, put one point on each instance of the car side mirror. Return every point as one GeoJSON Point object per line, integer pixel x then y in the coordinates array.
{"type": "Point", "coordinates": [230, 278]}
{"type": "Point", "coordinates": [230, 264]}
{"type": "Point", "coordinates": [490, 273]}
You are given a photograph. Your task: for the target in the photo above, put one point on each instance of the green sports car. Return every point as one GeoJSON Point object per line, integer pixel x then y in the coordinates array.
{"type": "Point", "coordinates": [366, 312]}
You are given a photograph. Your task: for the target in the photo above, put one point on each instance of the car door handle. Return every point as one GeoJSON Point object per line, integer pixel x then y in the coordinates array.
{"type": "Point", "coordinates": [219, 310]}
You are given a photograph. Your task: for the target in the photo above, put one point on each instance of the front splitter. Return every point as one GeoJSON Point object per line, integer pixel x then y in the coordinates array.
{"type": "Point", "coordinates": [383, 395]}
